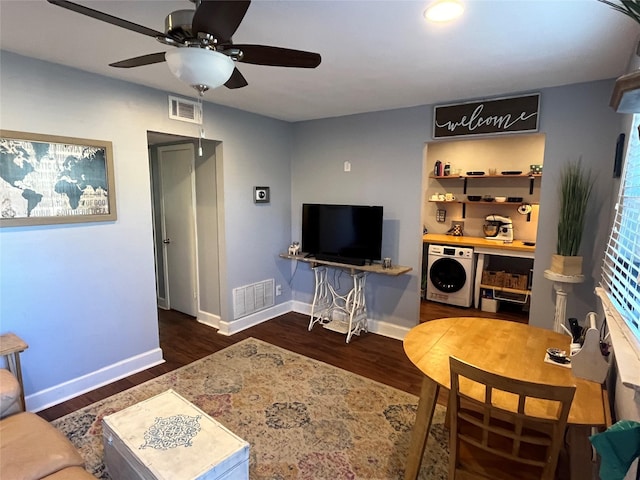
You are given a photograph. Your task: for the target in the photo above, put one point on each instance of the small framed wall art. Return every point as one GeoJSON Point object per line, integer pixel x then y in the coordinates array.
{"type": "Point", "coordinates": [46, 179]}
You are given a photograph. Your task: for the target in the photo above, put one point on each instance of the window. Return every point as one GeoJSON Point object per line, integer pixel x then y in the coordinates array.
{"type": "Point", "coordinates": [621, 269]}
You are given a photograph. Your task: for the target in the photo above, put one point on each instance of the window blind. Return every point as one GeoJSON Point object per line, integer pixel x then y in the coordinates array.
{"type": "Point", "coordinates": [621, 268]}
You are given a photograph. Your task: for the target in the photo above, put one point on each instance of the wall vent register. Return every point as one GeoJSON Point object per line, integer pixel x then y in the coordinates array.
{"type": "Point", "coordinates": [253, 298]}
{"type": "Point", "coordinates": [185, 110]}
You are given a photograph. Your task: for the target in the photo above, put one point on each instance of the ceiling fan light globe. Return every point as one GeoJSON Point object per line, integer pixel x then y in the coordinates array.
{"type": "Point", "coordinates": [444, 10]}
{"type": "Point", "coordinates": [200, 66]}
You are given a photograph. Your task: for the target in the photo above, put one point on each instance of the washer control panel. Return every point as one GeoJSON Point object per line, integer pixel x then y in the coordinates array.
{"type": "Point", "coordinates": [446, 251]}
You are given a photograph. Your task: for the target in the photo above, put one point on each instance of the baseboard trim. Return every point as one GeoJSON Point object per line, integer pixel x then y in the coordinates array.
{"type": "Point", "coordinates": [59, 393]}
{"type": "Point", "coordinates": [387, 329]}
{"type": "Point", "coordinates": [208, 319]}
{"type": "Point", "coordinates": [77, 386]}
{"type": "Point", "coordinates": [229, 328]}
{"type": "Point", "coordinates": [378, 327]}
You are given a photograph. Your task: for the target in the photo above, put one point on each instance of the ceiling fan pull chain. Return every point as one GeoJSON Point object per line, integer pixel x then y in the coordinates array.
{"type": "Point", "coordinates": [201, 108]}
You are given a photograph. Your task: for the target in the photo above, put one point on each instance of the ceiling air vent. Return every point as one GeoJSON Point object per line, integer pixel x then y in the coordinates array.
{"type": "Point", "coordinates": [185, 110]}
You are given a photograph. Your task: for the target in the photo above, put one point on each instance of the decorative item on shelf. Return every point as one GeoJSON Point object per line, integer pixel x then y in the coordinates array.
{"type": "Point", "coordinates": [524, 209]}
{"type": "Point", "coordinates": [294, 248]}
{"type": "Point", "coordinates": [474, 198]}
{"type": "Point", "coordinates": [438, 168]}
{"type": "Point", "coordinates": [576, 185]}
{"type": "Point", "coordinates": [515, 199]}
{"type": "Point", "coordinates": [535, 169]}
{"type": "Point", "coordinates": [456, 230]}
{"type": "Point", "coordinates": [501, 199]}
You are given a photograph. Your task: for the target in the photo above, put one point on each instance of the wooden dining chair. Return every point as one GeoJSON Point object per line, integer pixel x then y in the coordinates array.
{"type": "Point", "coordinates": [503, 428]}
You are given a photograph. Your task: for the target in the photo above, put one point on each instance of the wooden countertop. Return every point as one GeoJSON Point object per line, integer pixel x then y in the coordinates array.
{"type": "Point", "coordinates": [464, 241]}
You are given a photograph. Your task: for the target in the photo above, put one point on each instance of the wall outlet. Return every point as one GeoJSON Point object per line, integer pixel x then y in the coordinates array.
{"type": "Point", "coordinates": [347, 166]}
{"type": "Point", "coordinates": [278, 290]}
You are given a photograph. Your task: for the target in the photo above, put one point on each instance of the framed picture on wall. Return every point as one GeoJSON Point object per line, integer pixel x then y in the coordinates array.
{"type": "Point", "coordinates": [47, 179]}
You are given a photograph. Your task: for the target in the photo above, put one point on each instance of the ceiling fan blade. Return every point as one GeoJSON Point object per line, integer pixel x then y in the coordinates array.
{"type": "Point", "coordinates": [139, 61]}
{"type": "Point", "coordinates": [105, 17]}
{"type": "Point", "coordinates": [221, 18]}
{"type": "Point", "coordinates": [277, 56]}
{"type": "Point", "coordinates": [236, 80]}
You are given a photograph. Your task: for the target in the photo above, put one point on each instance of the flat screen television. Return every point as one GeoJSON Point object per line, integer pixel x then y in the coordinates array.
{"type": "Point", "coordinates": [342, 233]}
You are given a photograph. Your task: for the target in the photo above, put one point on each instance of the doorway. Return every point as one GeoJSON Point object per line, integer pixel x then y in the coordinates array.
{"type": "Point", "coordinates": [185, 225]}
{"type": "Point", "coordinates": [178, 229]}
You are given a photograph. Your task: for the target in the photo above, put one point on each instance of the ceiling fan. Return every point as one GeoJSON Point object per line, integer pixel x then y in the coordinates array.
{"type": "Point", "coordinates": [205, 53]}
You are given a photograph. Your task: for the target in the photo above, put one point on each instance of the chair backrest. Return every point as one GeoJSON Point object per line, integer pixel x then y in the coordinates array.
{"type": "Point", "coordinates": [500, 425]}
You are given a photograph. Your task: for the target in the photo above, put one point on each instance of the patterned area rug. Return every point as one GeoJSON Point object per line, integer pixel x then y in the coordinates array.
{"type": "Point", "coordinates": [303, 419]}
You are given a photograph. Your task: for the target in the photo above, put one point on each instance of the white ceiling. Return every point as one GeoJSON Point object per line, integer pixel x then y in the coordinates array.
{"type": "Point", "coordinates": [376, 55]}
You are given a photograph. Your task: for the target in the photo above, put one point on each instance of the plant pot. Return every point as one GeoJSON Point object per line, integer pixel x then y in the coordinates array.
{"type": "Point", "coordinates": [566, 265]}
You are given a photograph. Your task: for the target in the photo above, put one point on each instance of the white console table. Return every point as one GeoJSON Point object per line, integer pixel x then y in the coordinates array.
{"type": "Point", "coordinates": [346, 314]}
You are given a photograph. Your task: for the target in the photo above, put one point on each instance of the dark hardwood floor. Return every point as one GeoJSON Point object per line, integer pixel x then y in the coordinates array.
{"type": "Point", "coordinates": [184, 340]}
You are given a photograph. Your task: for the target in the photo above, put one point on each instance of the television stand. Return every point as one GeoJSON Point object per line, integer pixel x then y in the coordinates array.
{"type": "Point", "coordinates": [346, 314]}
{"type": "Point", "coordinates": [339, 259]}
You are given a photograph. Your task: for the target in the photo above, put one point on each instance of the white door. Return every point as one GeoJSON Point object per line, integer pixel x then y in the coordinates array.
{"type": "Point", "coordinates": [178, 232]}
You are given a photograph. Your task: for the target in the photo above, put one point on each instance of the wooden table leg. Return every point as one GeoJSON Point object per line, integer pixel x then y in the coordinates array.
{"type": "Point", "coordinates": [581, 464]}
{"type": "Point", "coordinates": [424, 415]}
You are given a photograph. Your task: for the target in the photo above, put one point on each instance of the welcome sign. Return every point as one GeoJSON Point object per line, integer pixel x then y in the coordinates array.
{"type": "Point", "coordinates": [502, 115]}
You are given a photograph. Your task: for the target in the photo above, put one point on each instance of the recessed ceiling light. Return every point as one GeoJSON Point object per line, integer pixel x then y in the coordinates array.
{"type": "Point", "coordinates": [444, 10]}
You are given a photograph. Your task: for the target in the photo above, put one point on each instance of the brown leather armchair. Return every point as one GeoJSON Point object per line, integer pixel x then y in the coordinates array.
{"type": "Point", "coordinates": [31, 448]}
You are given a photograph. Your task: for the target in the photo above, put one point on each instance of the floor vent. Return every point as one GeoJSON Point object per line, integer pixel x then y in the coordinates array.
{"type": "Point", "coordinates": [253, 298]}
{"type": "Point", "coordinates": [184, 110]}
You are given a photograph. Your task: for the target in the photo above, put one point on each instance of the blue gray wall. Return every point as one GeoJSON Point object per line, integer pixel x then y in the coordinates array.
{"type": "Point", "coordinates": [83, 296]}
{"type": "Point", "coordinates": [386, 153]}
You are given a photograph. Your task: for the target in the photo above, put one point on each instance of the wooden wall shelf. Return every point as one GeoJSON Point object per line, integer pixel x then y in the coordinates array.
{"type": "Point", "coordinates": [626, 94]}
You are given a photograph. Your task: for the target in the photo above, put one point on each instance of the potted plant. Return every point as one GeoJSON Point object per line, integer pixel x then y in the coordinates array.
{"type": "Point", "coordinates": [575, 189]}
{"type": "Point", "coordinates": [630, 8]}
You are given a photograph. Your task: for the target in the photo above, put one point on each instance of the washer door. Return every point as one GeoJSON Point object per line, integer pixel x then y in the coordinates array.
{"type": "Point", "coordinates": [447, 275]}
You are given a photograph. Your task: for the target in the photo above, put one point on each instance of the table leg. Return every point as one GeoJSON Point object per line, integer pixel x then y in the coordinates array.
{"type": "Point", "coordinates": [321, 306]}
{"type": "Point", "coordinates": [581, 464]}
{"type": "Point", "coordinates": [420, 434]}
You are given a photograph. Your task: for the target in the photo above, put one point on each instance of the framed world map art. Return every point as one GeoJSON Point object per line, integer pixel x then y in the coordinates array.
{"type": "Point", "coordinates": [46, 179]}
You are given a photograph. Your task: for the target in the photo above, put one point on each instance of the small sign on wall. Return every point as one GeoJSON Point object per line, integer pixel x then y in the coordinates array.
{"type": "Point", "coordinates": [488, 117]}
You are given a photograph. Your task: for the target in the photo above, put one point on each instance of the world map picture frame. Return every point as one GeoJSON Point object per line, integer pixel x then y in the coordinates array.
{"type": "Point", "coordinates": [47, 179]}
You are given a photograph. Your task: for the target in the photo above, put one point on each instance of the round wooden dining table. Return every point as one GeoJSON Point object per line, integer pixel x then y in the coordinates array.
{"type": "Point", "coordinates": [511, 349]}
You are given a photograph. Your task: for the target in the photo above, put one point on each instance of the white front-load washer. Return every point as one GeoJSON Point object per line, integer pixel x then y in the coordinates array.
{"type": "Point", "coordinates": [450, 275]}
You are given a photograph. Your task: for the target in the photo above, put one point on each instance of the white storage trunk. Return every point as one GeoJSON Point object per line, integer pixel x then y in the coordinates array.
{"type": "Point", "coordinates": [168, 438]}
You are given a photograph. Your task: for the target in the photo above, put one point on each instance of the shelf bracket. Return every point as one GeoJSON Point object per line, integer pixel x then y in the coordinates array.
{"type": "Point", "coordinates": [531, 179]}
{"type": "Point", "coordinates": [464, 187]}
